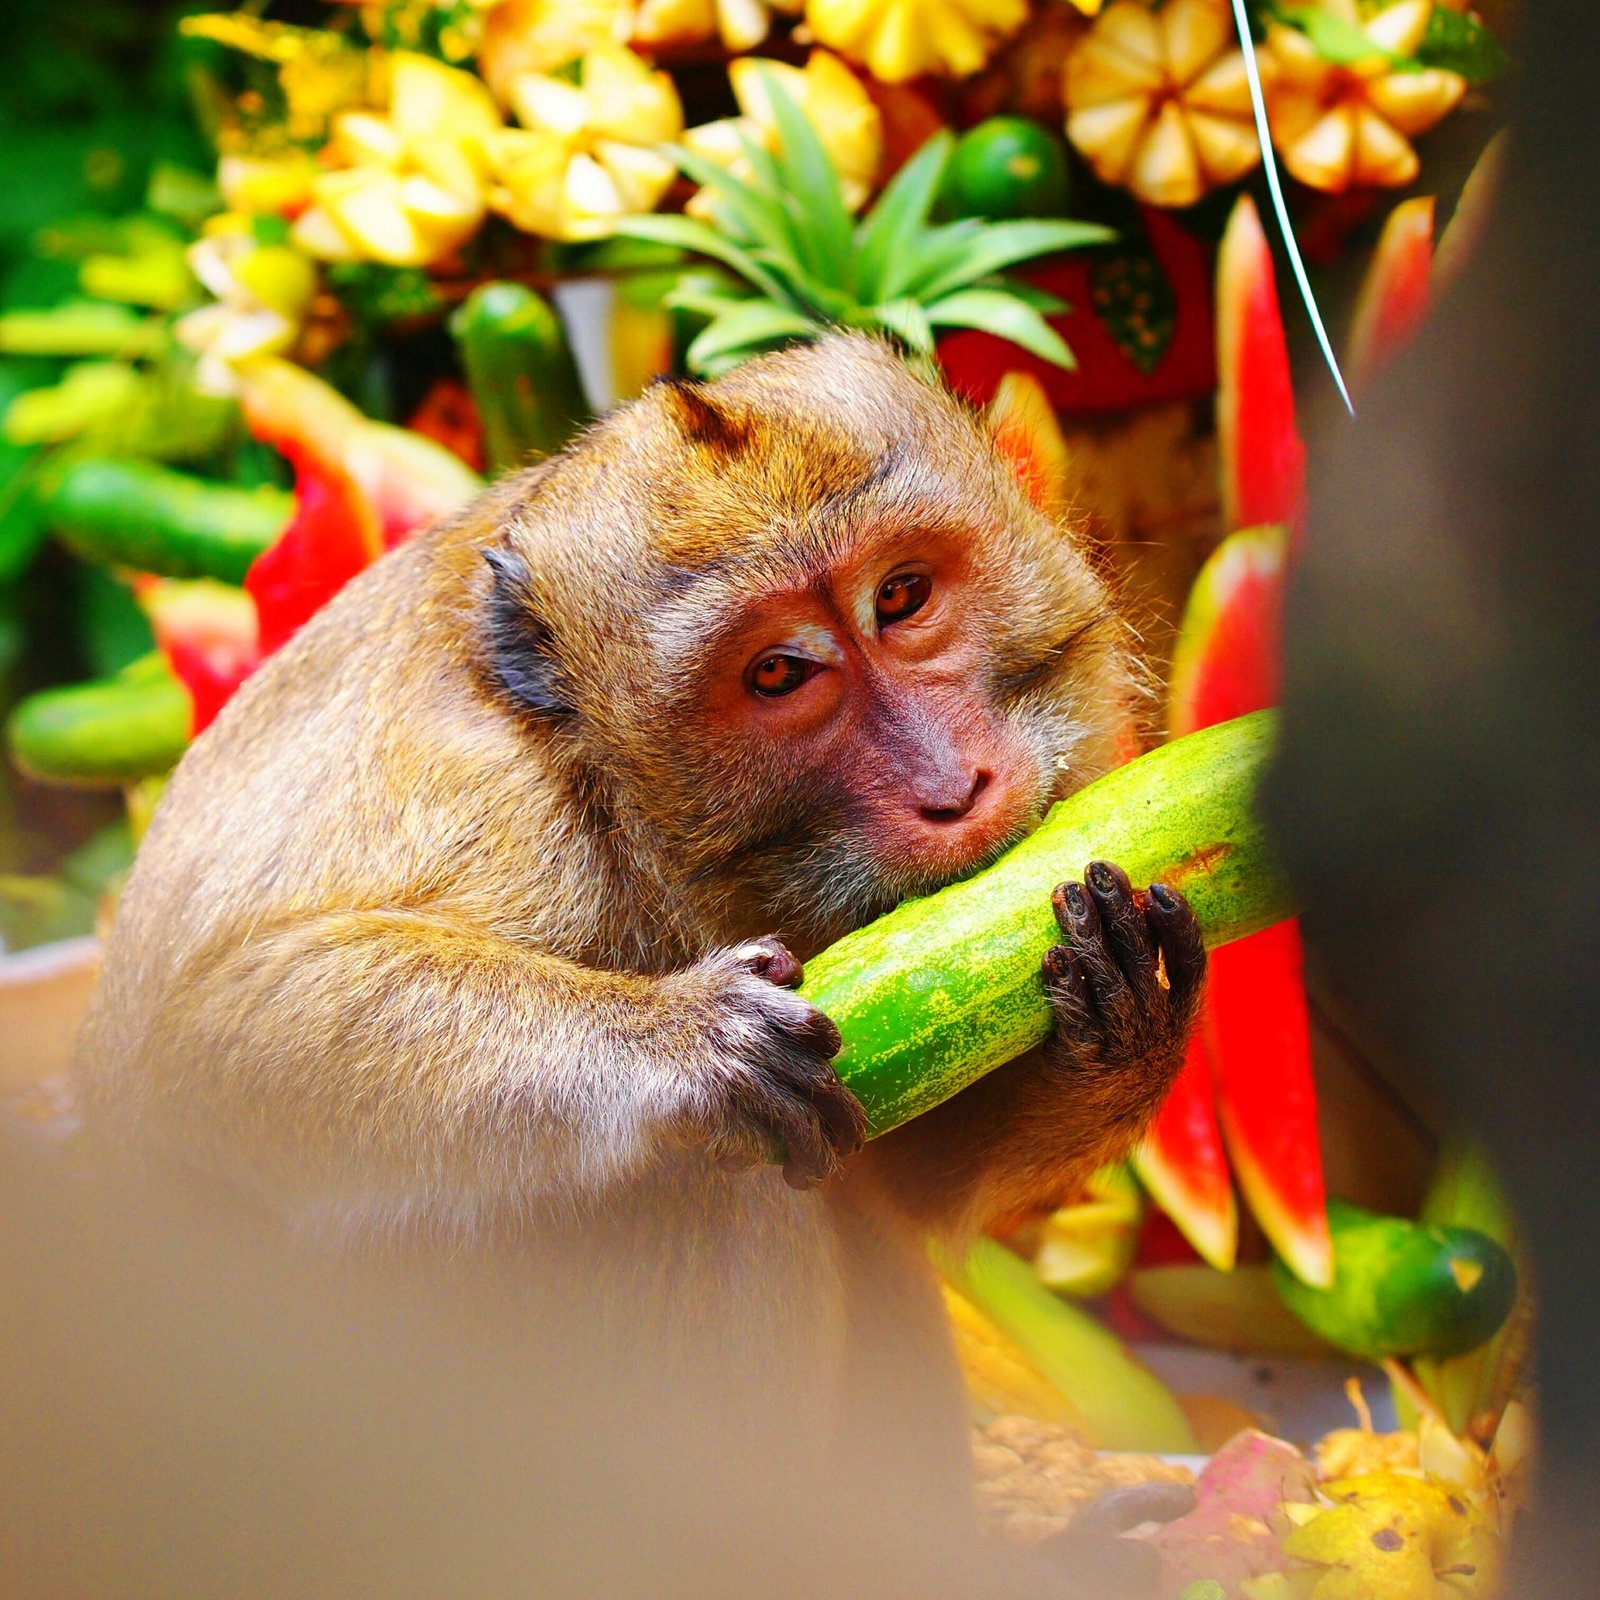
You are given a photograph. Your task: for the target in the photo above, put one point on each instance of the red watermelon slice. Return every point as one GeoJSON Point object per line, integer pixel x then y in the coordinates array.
{"type": "Point", "coordinates": [1395, 292]}
{"type": "Point", "coordinates": [1181, 1162]}
{"type": "Point", "coordinates": [1263, 459]}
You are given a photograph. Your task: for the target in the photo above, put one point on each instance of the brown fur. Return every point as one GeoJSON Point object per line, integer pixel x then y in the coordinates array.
{"type": "Point", "coordinates": [428, 937]}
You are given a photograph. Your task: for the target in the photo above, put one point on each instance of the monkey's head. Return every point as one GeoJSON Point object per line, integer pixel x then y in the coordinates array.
{"type": "Point", "coordinates": [804, 639]}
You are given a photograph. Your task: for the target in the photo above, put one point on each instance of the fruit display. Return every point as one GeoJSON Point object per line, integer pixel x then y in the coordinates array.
{"type": "Point", "coordinates": [415, 244]}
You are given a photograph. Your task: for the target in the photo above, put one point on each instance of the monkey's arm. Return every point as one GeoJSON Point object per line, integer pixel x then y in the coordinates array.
{"type": "Point", "coordinates": [1125, 989]}
{"type": "Point", "coordinates": [416, 1059]}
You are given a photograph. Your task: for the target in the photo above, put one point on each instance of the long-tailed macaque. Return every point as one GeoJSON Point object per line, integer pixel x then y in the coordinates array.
{"type": "Point", "coordinates": [460, 929]}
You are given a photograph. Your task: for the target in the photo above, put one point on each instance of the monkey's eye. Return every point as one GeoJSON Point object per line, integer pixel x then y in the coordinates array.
{"type": "Point", "coordinates": [902, 595]}
{"type": "Point", "coordinates": [776, 674]}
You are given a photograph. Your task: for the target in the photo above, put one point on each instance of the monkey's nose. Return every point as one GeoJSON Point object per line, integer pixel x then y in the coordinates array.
{"type": "Point", "coordinates": [955, 810]}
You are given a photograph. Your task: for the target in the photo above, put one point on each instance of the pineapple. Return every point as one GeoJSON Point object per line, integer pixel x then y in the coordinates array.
{"type": "Point", "coordinates": [806, 265]}
{"type": "Point", "coordinates": [740, 24]}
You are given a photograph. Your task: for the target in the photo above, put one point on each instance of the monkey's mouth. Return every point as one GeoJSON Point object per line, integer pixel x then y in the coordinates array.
{"type": "Point", "coordinates": [944, 853]}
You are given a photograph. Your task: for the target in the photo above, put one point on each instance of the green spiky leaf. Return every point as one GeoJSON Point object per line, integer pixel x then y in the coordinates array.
{"type": "Point", "coordinates": [704, 240]}
{"type": "Point", "coordinates": [816, 182]}
{"type": "Point", "coordinates": [746, 213]}
{"type": "Point", "coordinates": [908, 322]}
{"type": "Point", "coordinates": [785, 231]}
{"type": "Point", "coordinates": [751, 325]}
{"type": "Point", "coordinates": [890, 231]}
{"type": "Point", "coordinates": [998, 245]}
{"type": "Point", "coordinates": [993, 311]}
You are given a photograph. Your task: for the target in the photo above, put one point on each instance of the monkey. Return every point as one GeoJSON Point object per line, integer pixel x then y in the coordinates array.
{"type": "Point", "coordinates": [475, 920]}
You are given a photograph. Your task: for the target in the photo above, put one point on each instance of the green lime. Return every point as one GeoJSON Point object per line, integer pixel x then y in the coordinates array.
{"type": "Point", "coordinates": [1006, 167]}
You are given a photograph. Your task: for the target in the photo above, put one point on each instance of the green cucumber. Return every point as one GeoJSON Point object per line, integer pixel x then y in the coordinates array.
{"type": "Point", "coordinates": [1404, 1288]}
{"type": "Point", "coordinates": [520, 370]}
{"type": "Point", "coordinates": [106, 733]}
{"type": "Point", "coordinates": [135, 514]}
{"type": "Point", "coordinates": [946, 988]}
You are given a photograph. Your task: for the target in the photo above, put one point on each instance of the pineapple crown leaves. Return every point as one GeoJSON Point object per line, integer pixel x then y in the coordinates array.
{"type": "Point", "coordinates": [803, 264]}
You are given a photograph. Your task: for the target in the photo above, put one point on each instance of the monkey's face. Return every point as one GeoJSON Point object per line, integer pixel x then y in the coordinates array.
{"type": "Point", "coordinates": [855, 662]}
{"type": "Point", "coordinates": [873, 753]}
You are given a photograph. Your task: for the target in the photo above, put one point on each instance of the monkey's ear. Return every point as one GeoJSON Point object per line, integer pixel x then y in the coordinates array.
{"type": "Point", "coordinates": [1022, 424]}
{"type": "Point", "coordinates": [520, 647]}
{"type": "Point", "coordinates": [701, 418]}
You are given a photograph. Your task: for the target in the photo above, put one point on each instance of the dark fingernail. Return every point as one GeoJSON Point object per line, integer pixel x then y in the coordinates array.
{"type": "Point", "coordinates": [1163, 896]}
{"type": "Point", "coordinates": [1077, 900]}
{"type": "Point", "coordinates": [1100, 875]}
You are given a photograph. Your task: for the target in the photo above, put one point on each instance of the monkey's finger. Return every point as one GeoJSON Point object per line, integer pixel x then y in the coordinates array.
{"type": "Point", "coordinates": [1111, 1001]}
{"type": "Point", "coordinates": [1068, 990]}
{"type": "Point", "coordinates": [1177, 930]}
{"type": "Point", "coordinates": [842, 1117]}
{"type": "Point", "coordinates": [768, 957]}
{"type": "Point", "coordinates": [808, 1155]}
{"type": "Point", "coordinates": [817, 1033]}
{"type": "Point", "coordinates": [1128, 934]}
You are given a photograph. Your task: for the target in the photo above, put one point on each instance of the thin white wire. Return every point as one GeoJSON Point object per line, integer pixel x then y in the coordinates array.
{"type": "Point", "coordinates": [1264, 134]}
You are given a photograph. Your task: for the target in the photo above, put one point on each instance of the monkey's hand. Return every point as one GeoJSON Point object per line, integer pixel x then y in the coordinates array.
{"type": "Point", "coordinates": [772, 1090]}
{"type": "Point", "coordinates": [1125, 987]}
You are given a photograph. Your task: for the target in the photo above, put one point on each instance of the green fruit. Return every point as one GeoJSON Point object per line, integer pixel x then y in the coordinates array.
{"type": "Point", "coordinates": [1404, 1288]}
{"type": "Point", "coordinates": [946, 988]}
{"type": "Point", "coordinates": [1006, 167]}
{"type": "Point", "coordinates": [106, 733]}
{"type": "Point", "coordinates": [521, 371]}
{"type": "Point", "coordinates": [135, 514]}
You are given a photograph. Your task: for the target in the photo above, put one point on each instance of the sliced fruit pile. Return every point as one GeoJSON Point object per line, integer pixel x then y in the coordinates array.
{"type": "Point", "coordinates": [1411, 1515]}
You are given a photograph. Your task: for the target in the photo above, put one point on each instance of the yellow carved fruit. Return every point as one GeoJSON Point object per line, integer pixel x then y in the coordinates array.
{"type": "Point", "coordinates": [540, 35]}
{"type": "Point", "coordinates": [740, 24]}
{"type": "Point", "coordinates": [1389, 1536]}
{"type": "Point", "coordinates": [1158, 101]}
{"type": "Point", "coordinates": [1341, 127]}
{"type": "Point", "coordinates": [587, 153]}
{"type": "Point", "coordinates": [407, 184]}
{"type": "Point", "coordinates": [900, 39]}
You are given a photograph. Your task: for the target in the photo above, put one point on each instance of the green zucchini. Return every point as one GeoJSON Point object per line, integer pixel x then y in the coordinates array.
{"type": "Point", "coordinates": [135, 514]}
{"type": "Point", "coordinates": [520, 370]}
{"type": "Point", "coordinates": [946, 988]}
{"type": "Point", "coordinates": [106, 733]}
{"type": "Point", "coordinates": [1404, 1288]}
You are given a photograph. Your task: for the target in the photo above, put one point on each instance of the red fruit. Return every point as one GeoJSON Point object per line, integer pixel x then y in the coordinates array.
{"type": "Point", "coordinates": [1023, 426]}
{"type": "Point", "coordinates": [1181, 1163]}
{"type": "Point", "coordinates": [332, 536]}
{"type": "Point", "coordinates": [208, 633]}
{"type": "Point", "coordinates": [1104, 379]}
{"type": "Point", "coordinates": [1259, 1040]}
{"type": "Point", "coordinates": [1263, 460]}
{"type": "Point", "coordinates": [1225, 662]}
{"type": "Point", "coordinates": [1255, 1029]}
{"type": "Point", "coordinates": [1395, 292]}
